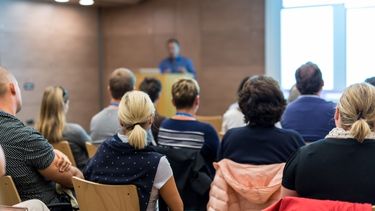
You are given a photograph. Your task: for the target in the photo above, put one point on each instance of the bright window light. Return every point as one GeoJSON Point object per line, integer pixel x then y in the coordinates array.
{"type": "Point", "coordinates": [306, 35]}
{"type": "Point", "coordinates": [305, 3]}
{"type": "Point", "coordinates": [360, 45]}
{"type": "Point", "coordinates": [86, 2]}
{"type": "Point", "coordinates": [62, 1]}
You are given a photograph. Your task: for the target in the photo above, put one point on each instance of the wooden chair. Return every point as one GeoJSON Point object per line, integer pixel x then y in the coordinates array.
{"type": "Point", "coordinates": [8, 192]}
{"type": "Point", "coordinates": [91, 149]}
{"type": "Point", "coordinates": [97, 197]}
{"type": "Point", "coordinates": [215, 121]}
{"type": "Point", "coordinates": [64, 147]}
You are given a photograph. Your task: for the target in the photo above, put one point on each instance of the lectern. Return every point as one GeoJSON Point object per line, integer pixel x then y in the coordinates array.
{"type": "Point", "coordinates": [164, 106]}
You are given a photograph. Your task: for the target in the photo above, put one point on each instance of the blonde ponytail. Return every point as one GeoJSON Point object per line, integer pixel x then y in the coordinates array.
{"type": "Point", "coordinates": [360, 130]}
{"type": "Point", "coordinates": [137, 137]}
{"type": "Point", "coordinates": [357, 110]}
{"type": "Point", "coordinates": [136, 111]}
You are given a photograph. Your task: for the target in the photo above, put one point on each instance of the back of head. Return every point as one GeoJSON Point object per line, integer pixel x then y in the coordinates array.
{"type": "Point", "coordinates": [261, 101]}
{"type": "Point", "coordinates": [51, 120]}
{"type": "Point", "coordinates": [242, 84]}
{"type": "Point", "coordinates": [184, 93]}
{"type": "Point", "coordinates": [309, 79]}
{"type": "Point", "coordinates": [136, 111]}
{"type": "Point", "coordinates": [122, 80]}
{"type": "Point", "coordinates": [4, 80]}
{"type": "Point", "coordinates": [357, 110]}
{"type": "Point", "coordinates": [371, 81]}
{"type": "Point", "coordinates": [152, 87]}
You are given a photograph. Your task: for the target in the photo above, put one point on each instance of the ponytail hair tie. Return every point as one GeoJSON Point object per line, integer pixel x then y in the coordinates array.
{"type": "Point", "coordinates": [360, 116]}
{"type": "Point", "coordinates": [133, 126]}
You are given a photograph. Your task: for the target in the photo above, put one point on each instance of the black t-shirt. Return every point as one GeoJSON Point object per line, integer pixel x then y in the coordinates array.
{"type": "Point", "coordinates": [334, 169]}
{"type": "Point", "coordinates": [258, 145]}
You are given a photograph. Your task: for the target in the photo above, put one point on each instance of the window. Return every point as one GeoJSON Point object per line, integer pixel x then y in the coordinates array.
{"type": "Point", "coordinates": [360, 44]}
{"type": "Point", "coordinates": [306, 35]}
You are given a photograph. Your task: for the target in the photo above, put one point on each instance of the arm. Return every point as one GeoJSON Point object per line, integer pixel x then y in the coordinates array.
{"type": "Point", "coordinates": [210, 145]}
{"type": "Point", "coordinates": [56, 172]}
{"type": "Point", "coordinates": [190, 67]}
{"type": "Point", "coordinates": [2, 162]}
{"type": "Point", "coordinates": [171, 196]}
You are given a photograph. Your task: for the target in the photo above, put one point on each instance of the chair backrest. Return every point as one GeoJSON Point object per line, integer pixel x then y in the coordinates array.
{"type": "Point", "coordinates": [98, 197]}
{"type": "Point", "coordinates": [64, 147]}
{"type": "Point", "coordinates": [91, 149]}
{"type": "Point", "coordinates": [214, 121]}
{"type": "Point", "coordinates": [8, 192]}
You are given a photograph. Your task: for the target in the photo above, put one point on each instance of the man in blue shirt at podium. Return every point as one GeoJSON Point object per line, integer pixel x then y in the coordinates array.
{"type": "Point", "coordinates": [175, 63]}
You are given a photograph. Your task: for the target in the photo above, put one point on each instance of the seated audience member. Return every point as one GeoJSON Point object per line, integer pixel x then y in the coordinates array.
{"type": "Point", "coordinates": [126, 159]}
{"type": "Point", "coordinates": [183, 130]}
{"type": "Point", "coordinates": [152, 87]}
{"type": "Point", "coordinates": [53, 126]}
{"type": "Point", "coordinates": [371, 81]}
{"type": "Point", "coordinates": [256, 152]}
{"type": "Point", "coordinates": [309, 115]}
{"type": "Point", "coordinates": [293, 94]}
{"type": "Point", "coordinates": [340, 167]}
{"type": "Point", "coordinates": [31, 161]}
{"type": "Point", "coordinates": [260, 142]}
{"type": "Point", "coordinates": [31, 205]}
{"type": "Point", "coordinates": [233, 117]}
{"type": "Point", "coordinates": [105, 123]}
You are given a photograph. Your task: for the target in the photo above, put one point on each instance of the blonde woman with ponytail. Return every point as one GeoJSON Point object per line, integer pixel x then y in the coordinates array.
{"type": "Point", "coordinates": [341, 166]}
{"type": "Point", "coordinates": [126, 159]}
{"type": "Point", "coordinates": [53, 126]}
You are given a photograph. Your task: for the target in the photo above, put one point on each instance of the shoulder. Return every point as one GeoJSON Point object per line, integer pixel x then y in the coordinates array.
{"type": "Point", "coordinates": [73, 127]}
{"type": "Point", "coordinates": [205, 127]}
{"type": "Point", "coordinates": [287, 132]}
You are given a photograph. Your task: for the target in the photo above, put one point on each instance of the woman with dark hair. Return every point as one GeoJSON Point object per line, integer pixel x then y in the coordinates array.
{"type": "Point", "coordinates": [260, 142]}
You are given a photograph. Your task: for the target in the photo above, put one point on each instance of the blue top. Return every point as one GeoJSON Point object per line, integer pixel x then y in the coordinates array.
{"type": "Point", "coordinates": [190, 134]}
{"type": "Point", "coordinates": [311, 116]}
{"type": "Point", "coordinates": [118, 163]}
{"type": "Point", "coordinates": [258, 145]}
{"type": "Point", "coordinates": [173, 65]}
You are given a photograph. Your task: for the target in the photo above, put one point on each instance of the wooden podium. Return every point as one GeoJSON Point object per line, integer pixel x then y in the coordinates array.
{"type": "Point", "coordinates": [164, 106]}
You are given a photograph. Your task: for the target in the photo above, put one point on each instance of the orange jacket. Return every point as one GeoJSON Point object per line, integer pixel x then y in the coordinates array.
{"type": "Point", "coordinates": [244, 187]}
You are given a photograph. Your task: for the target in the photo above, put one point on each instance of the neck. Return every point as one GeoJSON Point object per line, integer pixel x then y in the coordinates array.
{"type": "Point", "coordinates": [114, 101]}
{"type": "Point", "coordinates": [7, 108]}
{"type": "Point", "coordinates": [190, 111]}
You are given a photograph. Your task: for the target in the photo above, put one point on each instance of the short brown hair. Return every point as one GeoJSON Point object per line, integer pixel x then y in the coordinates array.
{"type": "Point", "coordinates": [309, 79]}
{"type": "Point", "coordinates": [122, 80]}
{"type": "Point", "coordinates": [261, 101]}
{"type": "Point", "coordinates": [184, 92]}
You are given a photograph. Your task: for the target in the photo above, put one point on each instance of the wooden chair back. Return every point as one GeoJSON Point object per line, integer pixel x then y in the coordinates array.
{"type": "Point", "coordinates": [98, 197]}
{"type": "Point", "coordinates": [64, 147]}
{"type": "Point", "coordinates": [8, 192]}
{"type": "Point", "coordinates": [91, 149]}
{"type": "Point", "coordinates": [214, 121]}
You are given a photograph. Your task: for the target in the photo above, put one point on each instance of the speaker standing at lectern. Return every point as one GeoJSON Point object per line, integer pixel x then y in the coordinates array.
{"type": "Point", "coordinates": [175, 63]}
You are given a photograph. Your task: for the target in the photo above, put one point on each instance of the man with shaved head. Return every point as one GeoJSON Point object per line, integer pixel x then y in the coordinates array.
{"type": "Point", "coordinates": [31, 161]}
{"type": "Point", "coordinates": [310, 115]}
{"type": "Point", "coordinates": [105, 124]}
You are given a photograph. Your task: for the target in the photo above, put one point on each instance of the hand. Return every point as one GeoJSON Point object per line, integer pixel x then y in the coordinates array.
{"type": "Point", "coordinates": [63, 163]}
{"type": "Point", "coordinates": [182, 70]}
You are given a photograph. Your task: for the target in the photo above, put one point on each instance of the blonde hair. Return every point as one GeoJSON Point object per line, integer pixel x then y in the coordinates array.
{"type": "Point", "coordinates": [51, 120]}
{"type": "Point", "coordinates": [136, 110]}
{"type": "Point", "coordinates": [357, 110]}
{"type": "Point", "coordinates": [184, 92]}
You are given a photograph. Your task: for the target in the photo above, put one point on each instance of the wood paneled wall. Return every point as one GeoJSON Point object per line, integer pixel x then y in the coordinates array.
{"type": "Point", "coordinates": [224, 38]}
{"type": "Point", "coordinates": [51, 44]}
{"type": "Point", "coordinates": [55, 44]}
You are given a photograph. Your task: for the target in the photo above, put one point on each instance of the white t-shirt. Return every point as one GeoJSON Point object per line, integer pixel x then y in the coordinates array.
{"type": "Point", "coordinates": [163, 174]}
{"type": "Point", "coordinates": [232, 118]}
